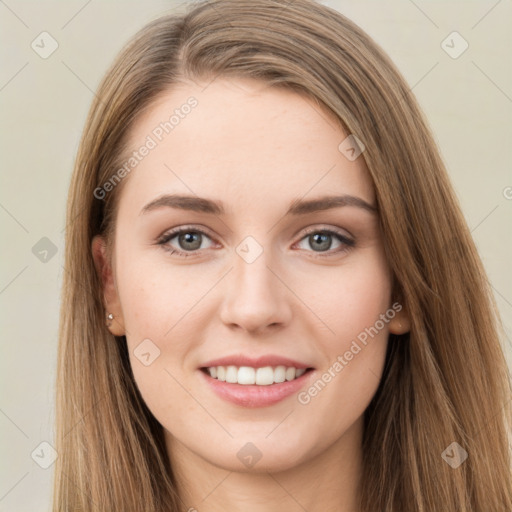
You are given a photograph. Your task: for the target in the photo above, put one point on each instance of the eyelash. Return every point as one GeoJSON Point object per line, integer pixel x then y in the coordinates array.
{"type": "Point", "coordinates": [165, 238]}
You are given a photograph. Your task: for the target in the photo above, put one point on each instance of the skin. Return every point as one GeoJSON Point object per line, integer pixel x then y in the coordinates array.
{"type": "Point", "coordinates": [256, 149]}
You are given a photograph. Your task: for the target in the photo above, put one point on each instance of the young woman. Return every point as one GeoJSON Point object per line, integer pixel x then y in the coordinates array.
{"type": "Point", "coordinates": [271, 298]}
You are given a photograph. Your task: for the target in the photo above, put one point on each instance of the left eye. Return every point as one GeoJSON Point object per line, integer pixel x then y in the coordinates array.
{"type": "Point", "coordinates": [190, 241]}
{"type": "Point", "coordinates": [322, 240]}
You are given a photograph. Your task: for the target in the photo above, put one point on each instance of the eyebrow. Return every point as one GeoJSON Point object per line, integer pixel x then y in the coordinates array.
{"type": "Point", "coordinates": [297, 207]}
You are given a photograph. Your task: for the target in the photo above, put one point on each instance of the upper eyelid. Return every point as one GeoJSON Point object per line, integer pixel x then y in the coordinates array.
{"type": "Point", "coordinates": [314, 229]}
{"type": "Point", "coordinates": [176, 231]}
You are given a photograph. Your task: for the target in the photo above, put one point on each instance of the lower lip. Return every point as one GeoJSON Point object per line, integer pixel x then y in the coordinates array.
{"type": "Point", "coordinates": [252, 395]}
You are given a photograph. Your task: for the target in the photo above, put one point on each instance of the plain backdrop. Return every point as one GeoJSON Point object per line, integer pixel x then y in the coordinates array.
{"type": "Point", "coordinates": [467, 99]}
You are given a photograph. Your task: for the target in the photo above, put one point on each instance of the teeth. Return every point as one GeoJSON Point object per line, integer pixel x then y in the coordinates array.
{"type": "Point", "coordinates": [231, 374]}
{"type": "Point", "coordinates": [261, 376]}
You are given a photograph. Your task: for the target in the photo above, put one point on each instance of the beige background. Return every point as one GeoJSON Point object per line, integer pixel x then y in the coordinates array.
{"type": "Point", "coordinates": [468, 102]}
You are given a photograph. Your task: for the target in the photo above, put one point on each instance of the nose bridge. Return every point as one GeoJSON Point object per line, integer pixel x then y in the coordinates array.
{"type": "Point", "coordinates": [252, 272]}
{"type": "Point", "coordinates": [255, 296]}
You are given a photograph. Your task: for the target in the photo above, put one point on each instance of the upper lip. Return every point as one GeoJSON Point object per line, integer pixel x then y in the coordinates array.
{"type": "Point", "coordinates": [258, 362]}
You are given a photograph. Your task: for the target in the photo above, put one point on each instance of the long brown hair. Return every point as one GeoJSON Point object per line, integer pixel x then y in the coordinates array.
{"type": "Point", "coordinates": [445, 381]}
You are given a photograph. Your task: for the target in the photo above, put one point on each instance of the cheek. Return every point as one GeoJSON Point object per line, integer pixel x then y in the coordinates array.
{"type": "Point", "coordinates": [159, 304]}
{"type": "Point", "coordinates": [353, 298]}
{"type": "Point", "coordinates": [357, 311]}
{"type": "Point", "coordinates": [153, 294]}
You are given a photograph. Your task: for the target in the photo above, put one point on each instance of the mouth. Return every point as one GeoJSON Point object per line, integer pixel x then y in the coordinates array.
{"type": "Point", "coordinates": [261, 376]}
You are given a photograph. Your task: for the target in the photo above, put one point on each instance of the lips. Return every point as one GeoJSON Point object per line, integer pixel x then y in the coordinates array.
{"type": "Point", "coordinates": [255, 395]}
{"type": "Point", "coordinates": [235, 385]}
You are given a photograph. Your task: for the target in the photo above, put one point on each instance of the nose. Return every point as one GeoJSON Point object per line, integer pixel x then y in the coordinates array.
{"type": "Point", "coordinates": [256, 297]}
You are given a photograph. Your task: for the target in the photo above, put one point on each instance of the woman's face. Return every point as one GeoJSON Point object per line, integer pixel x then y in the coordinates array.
{"type": "Point", "coordinates": [257, 272]}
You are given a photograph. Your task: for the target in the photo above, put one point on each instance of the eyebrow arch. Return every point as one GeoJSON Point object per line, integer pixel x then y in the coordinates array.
{"type": "Point", "coordinates": [297, 207]}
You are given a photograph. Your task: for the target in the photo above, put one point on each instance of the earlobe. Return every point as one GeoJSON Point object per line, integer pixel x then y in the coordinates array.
{"type": "Point", "coordinates": [400, 323]}
{"type": "Point", "coordinates": [115, 324]}
{"type": "Point", "coordinates": [113, 313]}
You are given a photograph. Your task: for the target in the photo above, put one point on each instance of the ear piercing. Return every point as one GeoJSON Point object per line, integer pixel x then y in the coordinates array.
{"type": "Point", "coordinates": [110, 317]}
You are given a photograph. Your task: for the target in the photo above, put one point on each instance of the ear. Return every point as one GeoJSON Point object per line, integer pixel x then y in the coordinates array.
{"type": "Point", "coordinates": [401, 322]}
{"type": "Point", "coordinates": [110, 296]}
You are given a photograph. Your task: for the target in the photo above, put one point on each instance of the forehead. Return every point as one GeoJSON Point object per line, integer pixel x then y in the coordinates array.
{"type": "Point", "coordinates": [240, 140]}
